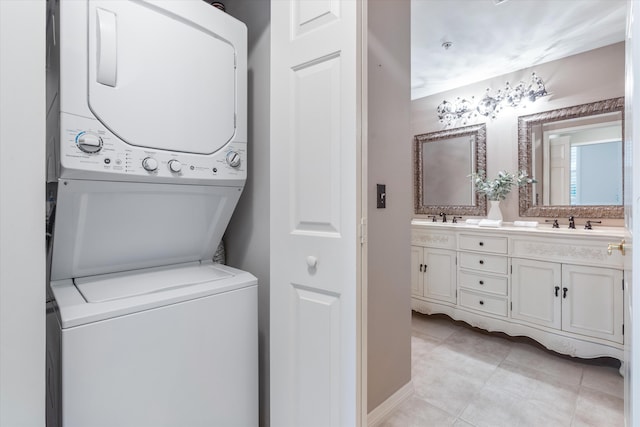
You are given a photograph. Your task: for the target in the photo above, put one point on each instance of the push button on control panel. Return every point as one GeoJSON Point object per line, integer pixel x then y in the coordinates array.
{"type": "Point", "coordinates": [89, 142]}
{"type": "Point", "coordinates": [150, 164]}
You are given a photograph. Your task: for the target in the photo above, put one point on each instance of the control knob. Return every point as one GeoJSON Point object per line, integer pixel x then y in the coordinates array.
{"type": "Point", "coordinates": [175, 166]}
{"type": "Point", "coordinates": [150, 164]}
{"type": "Point", "coordinates": [89, 142]}
{"type": "Point", "coordinates": [233, 159]}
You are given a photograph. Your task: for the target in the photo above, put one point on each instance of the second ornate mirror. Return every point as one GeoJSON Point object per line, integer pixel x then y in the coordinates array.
{"type": "Point", "coordinates": [576, 155]}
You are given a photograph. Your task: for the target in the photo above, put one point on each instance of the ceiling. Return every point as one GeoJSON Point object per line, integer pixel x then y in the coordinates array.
{"type": "Point", "coordinates": [490, 39]}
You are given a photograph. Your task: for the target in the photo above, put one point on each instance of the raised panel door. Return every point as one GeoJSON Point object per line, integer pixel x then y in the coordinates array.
{"type": "Point", "coordinates": [439, 274]}
{"type": "Point", "coordinates": [416, 271]}
{"type": "Point", "coordinates": [535, 292]}
{"type": "Point", "coordinates": [592, 302]}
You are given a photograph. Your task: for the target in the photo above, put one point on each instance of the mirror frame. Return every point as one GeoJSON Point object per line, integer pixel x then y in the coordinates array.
{"type": "Point", "coordinates": [525, 146]}
{"type": "Point", "coordinates": [479, 132]}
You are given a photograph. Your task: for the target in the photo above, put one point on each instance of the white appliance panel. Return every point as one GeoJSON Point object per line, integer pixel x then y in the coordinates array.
{"type": "Point", "coordinates": [188, 364]}
{"type": "Point", "coordinates": [104, 227]}
{"type": "Point", "coordinates": [171, 86]}
{"type": "Point", "coordinates": [178, 93]}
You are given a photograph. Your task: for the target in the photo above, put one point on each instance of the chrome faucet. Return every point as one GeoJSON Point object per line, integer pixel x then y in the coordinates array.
{"type": "Point", "coordinates": [444, 216]}
{"type": "Point", "coordinates": [433, 218]}
{"type": "Point", "coordinates": [572, 222]}
{"type": "Point", "coordinates": [455, 219]}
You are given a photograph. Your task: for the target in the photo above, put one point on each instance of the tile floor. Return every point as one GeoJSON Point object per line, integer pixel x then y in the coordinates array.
{"type": "Point", "coordinates": [465, 377]}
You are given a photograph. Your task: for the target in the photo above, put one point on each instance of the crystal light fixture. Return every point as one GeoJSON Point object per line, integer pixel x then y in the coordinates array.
{"type": "Point", "coordinates": [489, 106]}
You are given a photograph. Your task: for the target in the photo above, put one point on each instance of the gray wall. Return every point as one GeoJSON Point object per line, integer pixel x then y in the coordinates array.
{"type": "Point", "coordinates": [389, 163]}
{"type": "Point", "coordinates": [247, 238]}
{"type": "Point", "coordinates": [22, 198]}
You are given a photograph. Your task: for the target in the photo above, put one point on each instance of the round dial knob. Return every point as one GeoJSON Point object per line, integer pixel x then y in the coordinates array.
{"type": "Point", "coordinates": [233, 159]}
{"type": "Point", "coordinates": [150, 164]}
{"type": "Point", "coordinates": [175, 166]}
{"type": "Point", "coordinates": [89, 142]}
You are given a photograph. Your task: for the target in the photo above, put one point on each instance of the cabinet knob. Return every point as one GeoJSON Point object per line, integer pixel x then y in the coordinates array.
{"type": "Point", "coordinates": [481, 243]}
{"type": "Point", "coordinates": [481, 261]}
{"type": "Point", "coordinates": [482, 282]}
{"type": "Point", "coordinates": [481, 302]}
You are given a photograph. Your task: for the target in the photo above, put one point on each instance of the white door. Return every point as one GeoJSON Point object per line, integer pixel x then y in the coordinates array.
{"type": "Point", "coordinates": [592, 301]}
{"type": "Point", "coordinates": [536, 292]}
{"type": "Point", "coordinates": [315, 209]}
{"type": "Point", "coordinates": [632, 204]}
{"type": "Point", "coordinates": [417, 276]}
{"type": "Point", "coordinates": [440, 274]}
{"type": "Point", "coordinates": [557, 155]}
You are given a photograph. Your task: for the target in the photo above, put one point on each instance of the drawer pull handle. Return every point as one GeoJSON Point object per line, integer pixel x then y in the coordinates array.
{"type": "Point", "coordinates": [481, 243]}
{"type": "Point", "coordinates": [482, 282]}
{"type": "Point", "coordinates": [557, 289]}
{"type": "Point", "coordinates": [481, 302]}
{"type": "Point", "coordinates": [420, 268]}
{"type": "Point", "coordinates": [481, 261]}
{"type": "Point", "coordinates": [564, 292]}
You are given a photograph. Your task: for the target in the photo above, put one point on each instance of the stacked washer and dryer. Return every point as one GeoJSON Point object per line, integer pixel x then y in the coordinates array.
{"type": "Point", "coordinates": [147, 155]}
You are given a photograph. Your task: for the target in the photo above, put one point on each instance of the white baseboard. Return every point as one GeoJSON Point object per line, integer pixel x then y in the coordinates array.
{"type": "Point", "coordinates": [385, 408]}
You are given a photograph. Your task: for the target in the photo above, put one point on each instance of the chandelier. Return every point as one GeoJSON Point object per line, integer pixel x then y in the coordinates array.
{"type": "Point", "coordinates": [489, 106]}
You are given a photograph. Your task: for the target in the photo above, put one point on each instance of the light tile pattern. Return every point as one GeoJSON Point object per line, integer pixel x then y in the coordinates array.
{"type": "Point", "coordinates": [465, 377]}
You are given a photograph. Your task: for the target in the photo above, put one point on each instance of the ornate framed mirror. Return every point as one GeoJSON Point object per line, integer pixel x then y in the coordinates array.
{"type": "Point", "coordinates": [443, 161]}
{"type": "Point", "coordinates": [577, 156]}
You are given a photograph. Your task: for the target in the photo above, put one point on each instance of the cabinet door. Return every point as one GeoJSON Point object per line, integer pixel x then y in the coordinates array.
{"type": "Point", "coordinates": [440, 274]}
{"type": "Point", "coordinates": [416, 270]}
{"type": "Point", "coordinates": [592, 302]}
{"type": "Point", "coordinates": [536, 292]}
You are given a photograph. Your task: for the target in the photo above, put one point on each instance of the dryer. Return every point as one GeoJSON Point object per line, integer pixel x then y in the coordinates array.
{"type": "Point", "coordinates": [147, 149]}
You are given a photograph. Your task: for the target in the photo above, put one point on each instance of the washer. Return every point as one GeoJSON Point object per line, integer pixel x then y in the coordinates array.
{"type": "Point", "coordinates": [146, 138]}
{"type": "Point", "coordinates": [166, 346]}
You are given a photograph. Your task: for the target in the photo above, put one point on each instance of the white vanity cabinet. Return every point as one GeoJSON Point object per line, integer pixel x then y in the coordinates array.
{"type": "Point", "coordinates": [573, 298]}
{"type": "Point", "coordinates": [557, 286]}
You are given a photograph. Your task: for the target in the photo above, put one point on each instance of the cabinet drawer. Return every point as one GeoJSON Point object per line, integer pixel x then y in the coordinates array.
{"type": "Point", "coordinates": [483, 282]}
{"type": "Point", "coordinates": [482, 262]}
{"type": "Point", "coordinates": [483, 302]}
{"type": "Point", "coordinates": [492, 244]}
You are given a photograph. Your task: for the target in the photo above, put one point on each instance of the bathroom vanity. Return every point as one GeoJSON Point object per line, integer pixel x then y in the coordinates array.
{"type": "Point", "coordinates": [560, 287]}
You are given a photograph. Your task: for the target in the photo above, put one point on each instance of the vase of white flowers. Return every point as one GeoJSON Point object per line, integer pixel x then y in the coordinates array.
{"type": "Point", "coordinates": [498, 188]}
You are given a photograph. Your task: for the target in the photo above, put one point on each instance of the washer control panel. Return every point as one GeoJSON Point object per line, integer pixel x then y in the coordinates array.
{"type": "Point", "coordinates": [88, 150]}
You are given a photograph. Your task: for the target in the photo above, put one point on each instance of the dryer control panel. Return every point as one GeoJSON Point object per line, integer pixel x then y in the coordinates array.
{"type": "Point", "coordinates": [90, 151]}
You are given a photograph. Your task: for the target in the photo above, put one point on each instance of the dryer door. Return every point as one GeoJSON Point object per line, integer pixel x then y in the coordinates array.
{"type": "Point", "coordinates": [163, 75]}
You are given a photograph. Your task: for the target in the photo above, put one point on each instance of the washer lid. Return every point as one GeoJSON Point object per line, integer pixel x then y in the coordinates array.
{"type": "Point", "coordinates": [114, 286]}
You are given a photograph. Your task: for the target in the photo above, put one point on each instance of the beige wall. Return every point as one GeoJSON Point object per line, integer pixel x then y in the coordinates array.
{"type": "Point", "coordinates": [586, 77]}
{"type": "Point", "coordinates": [389, 163]}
